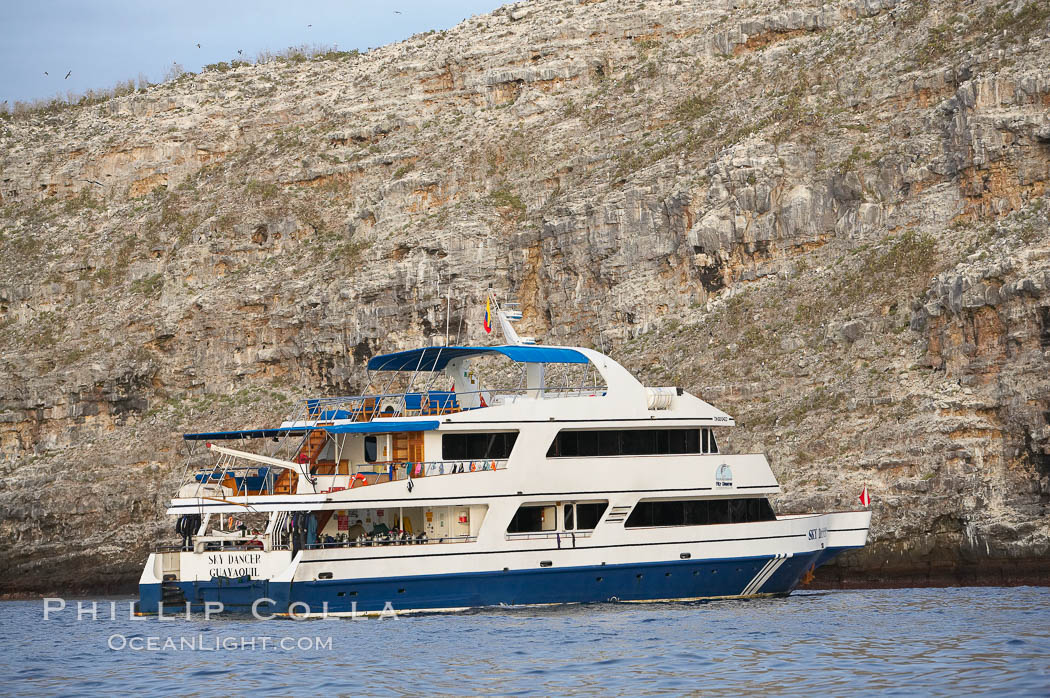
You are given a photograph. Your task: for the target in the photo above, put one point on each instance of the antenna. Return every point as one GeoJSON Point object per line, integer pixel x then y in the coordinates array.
{"type": "Point", "coordinates": [508, 313]}
{"type": "Point", "coordinates": [448, 310]}
{"type": "Point", "coordinates": [598, 317]}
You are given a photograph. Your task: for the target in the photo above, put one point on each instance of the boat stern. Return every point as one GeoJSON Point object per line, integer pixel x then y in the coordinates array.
{"type": "Point", "coordinates": [846, 530]}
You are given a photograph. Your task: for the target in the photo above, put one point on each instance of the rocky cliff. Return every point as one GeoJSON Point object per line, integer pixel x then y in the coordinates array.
{"type": "Point", "coordinates": [829, 219]}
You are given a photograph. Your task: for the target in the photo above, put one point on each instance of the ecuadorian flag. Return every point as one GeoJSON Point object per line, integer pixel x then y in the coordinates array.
{"type": "Point", "coordinates": [488, 316]}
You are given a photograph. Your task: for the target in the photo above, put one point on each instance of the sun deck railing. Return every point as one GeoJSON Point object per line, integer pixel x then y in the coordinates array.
{"type": "Point", "coordinates": [228, 478]}
{"type": "Point", "coordinates": [393, 471]}
{"type": "Point", "coordinates": [364, 408]}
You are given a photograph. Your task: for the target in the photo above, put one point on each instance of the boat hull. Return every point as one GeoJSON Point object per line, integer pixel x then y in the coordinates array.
{"type": "Point", "coordinates": [651, 581]}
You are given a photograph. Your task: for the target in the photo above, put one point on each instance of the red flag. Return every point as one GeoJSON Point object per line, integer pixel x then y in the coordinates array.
{"type": "Point", "coordinates": [865, 500]}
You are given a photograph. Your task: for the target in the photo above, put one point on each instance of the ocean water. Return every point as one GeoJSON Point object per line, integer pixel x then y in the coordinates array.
{"type": "Point", "coordinates": [950, 642]}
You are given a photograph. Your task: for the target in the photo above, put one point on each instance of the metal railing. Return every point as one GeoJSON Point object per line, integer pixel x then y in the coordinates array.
{"type": "Point", "coordinates": [365, 408]}
{"type": "Point", "coordinates": [394, 471]}
{"type": "Point", "coordinates": [204, 544]}
{"type": "Point", "coordinates": [564, 535]}
{"type": "Point", "coordinates": [386, 540]}
{"type": "Point", "coordinates": [226, 467]}
{"type": "Point", "coordinates": [564, 539]}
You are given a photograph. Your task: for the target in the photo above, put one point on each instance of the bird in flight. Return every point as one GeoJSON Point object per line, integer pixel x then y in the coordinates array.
{"type": "Point", "coordinates": [198, 45]}
{"type": "Point", "coordinates": [239, 52]}
{"type": "Point", "coordinates": [67, 75]}
{"type": "Point", "coordinates": [45, 73]}
{"type": "Point", "coordinates": [397, 12]}
{"type": "Point", "coordinates": [309, 25]}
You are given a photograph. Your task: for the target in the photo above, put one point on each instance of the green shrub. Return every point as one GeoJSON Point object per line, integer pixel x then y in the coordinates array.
{"type": "Point", "coordinates": [501, 198]}
{"type": "Point", "coordinates": [149, 286]}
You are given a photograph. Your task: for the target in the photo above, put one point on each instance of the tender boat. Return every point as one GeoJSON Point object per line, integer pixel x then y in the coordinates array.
{"type": "Point", "coordinates": [438, 493]}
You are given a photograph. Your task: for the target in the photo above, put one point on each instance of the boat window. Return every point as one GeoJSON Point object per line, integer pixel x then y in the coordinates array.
{"type": "Point", "coordinates": [588, 515]}
{"type": "Point", "coordinates": [583, 516]}
{"type": "Point", "coordinates": [737, 510]}
{"type": "Point", "coordinates": [698, 512]}
{"type": "Point", "coordinates": [370, 449]}
{"type": "Point", "coordinates": [531, 518]}
{"type": "Point", "coordinates": [478, 446]}
{"type": "Point", "coordinates": [711, 446]}
{"type": "Point", "coordinates": [588, 443]}
{"type": "Point", "coordinates": [626, 442]}
{"type": "Point", "coordinates": [718, 511]}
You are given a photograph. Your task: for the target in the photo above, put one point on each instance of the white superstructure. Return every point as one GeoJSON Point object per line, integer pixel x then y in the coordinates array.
{"type": "Point", "coordinates": [455, 495]}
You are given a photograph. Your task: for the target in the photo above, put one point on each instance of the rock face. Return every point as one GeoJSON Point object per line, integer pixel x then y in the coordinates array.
{"type": "Point", "coordinates": [829, 220]}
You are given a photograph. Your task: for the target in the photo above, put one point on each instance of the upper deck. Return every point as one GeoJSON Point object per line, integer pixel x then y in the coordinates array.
{"type": "Point", "coordinates": [335, 443]}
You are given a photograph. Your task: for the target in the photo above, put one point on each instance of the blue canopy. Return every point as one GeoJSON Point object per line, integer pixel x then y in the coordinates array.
{"type": "Point", "coordinates": [243, 434]}
{"type": "Point", "coordinates": [382, 427]}
{"type": "Point", "coordinates": [436, 358]}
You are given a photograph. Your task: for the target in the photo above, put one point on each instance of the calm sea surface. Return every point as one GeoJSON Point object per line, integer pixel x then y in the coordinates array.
{"type": "Point", "coordinates": [903, 641]}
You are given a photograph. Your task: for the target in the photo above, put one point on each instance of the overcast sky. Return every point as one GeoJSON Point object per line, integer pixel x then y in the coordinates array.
{"type": "Point", "coordinates": [106, 41]}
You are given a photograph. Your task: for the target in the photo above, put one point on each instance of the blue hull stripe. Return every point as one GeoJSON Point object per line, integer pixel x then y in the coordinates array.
{"type": "Point", "coordinates": [675, 579]}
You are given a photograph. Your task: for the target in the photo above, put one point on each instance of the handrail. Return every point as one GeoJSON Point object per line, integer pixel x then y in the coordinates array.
{"type": "Point", "coordinates": [518, 389]}
{"type": "Point", "coordinates": [406, 470]}
{"type": "Point", "coordinates": [448, 403]}
{"type": "Point", "coordinates": [379, 541]}
{"type": "Point", "coordinates": [401, 470]}
{"type": "Point", "coordinates": [239, 543]}
{"type": "Point", "coordinates": [543, 535]}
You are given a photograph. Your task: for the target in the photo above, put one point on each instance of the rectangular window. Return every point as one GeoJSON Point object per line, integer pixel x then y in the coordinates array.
{"type": "Point", "coordinates": [626, 442]}
{"type": "Point", "coordinates": [718, 511]}
{"type": "Point", "coordinates": [567, 443]}
{"type": "Point", "coordinates": [532, 519]}
{"type": "Point", "coordinates": [371, 449]}
{"type": "Point", "coordinates": [487, 446]}
{"type": "Point", "coordinates": [669, 513]}
{"type": "Point", "coordinates": [697, 512]}
{"type": "Point", "coordinates": [588, 515]}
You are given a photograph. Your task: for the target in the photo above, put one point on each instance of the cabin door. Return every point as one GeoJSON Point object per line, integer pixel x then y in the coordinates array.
{"type": "Point", "coordinates": [408, 447]}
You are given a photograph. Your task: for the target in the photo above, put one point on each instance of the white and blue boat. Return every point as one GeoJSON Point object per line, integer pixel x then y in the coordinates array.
{"type": "Point", "coordinates": [436, 492]}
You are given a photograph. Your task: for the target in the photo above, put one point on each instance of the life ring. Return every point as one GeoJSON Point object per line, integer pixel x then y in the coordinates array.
{"type": "Point", "coordinates": [473, 466]}
{"type": "Point", "coordinates": [357, 477]}
{"type": "Point", "coordinates": [229, 522]}
{"type": "Point", "coordinates": [493, 465]}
